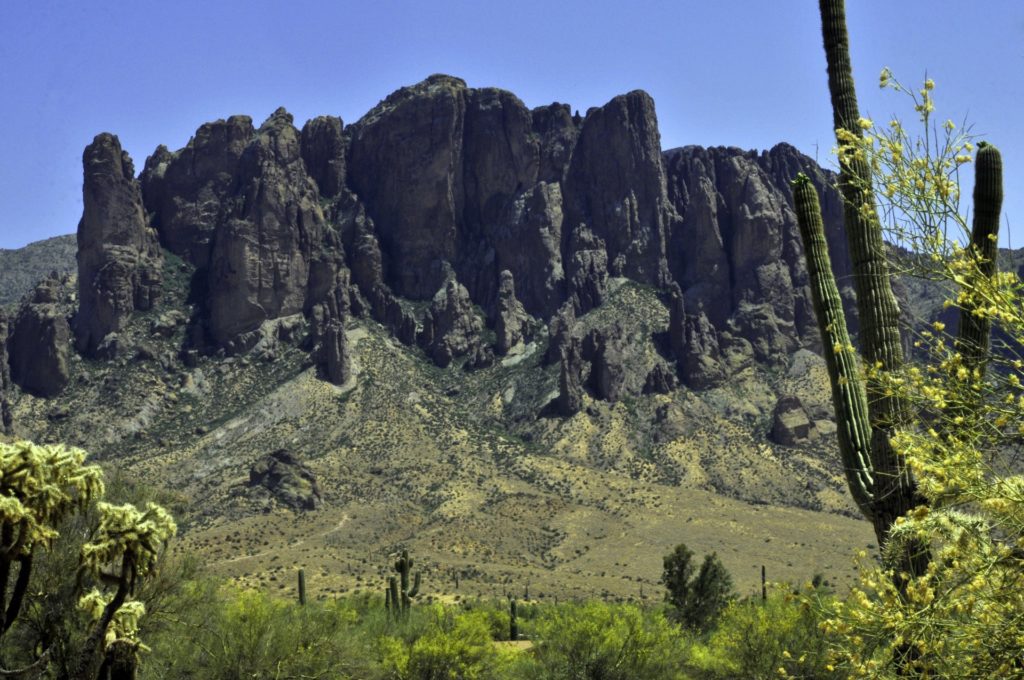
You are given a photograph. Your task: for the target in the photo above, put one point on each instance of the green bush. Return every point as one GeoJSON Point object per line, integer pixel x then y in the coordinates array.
{"type": "Point", "coordinates": [600, 641]}
{"type": "Point", "coordinates": [754, 639]}
{"type": "Point", "coordinates": [457, 645]}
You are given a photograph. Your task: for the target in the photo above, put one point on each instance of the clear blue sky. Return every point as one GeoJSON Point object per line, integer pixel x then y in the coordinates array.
{"type": "Point", "coordinates": [745, 73]}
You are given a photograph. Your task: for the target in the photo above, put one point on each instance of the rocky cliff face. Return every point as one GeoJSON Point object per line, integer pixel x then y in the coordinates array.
{"type": "Point", "coordinates": [465, 198]}
{"type": "Point", "coordinates": [119, 260]}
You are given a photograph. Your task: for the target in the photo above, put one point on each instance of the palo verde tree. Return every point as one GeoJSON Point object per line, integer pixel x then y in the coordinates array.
{"type": "Point", "coordinates": [40, 487]}
{"type": "Point", "coordinates": [963, 614]}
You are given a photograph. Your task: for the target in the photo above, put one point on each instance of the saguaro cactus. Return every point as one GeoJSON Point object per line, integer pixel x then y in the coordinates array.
{"type": "Point", "coordinates": [892, 491]}
{"type": "Point", "coordinates": [401, 598]}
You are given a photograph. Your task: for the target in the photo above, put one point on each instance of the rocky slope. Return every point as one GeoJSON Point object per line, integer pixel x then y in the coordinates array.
{"type": "Point", "coordinates": [468, 326]}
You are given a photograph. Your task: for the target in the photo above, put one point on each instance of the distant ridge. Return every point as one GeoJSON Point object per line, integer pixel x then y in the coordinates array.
{"type": "Point", "coordinates": [22, 268]}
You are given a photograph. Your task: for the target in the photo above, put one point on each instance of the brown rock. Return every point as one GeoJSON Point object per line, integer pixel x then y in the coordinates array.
{"type": "Point", "coordinates": [119, 260]}
{"type": "Point", "coordinates": [511, 324]}
{"type": "Point", "coordinates": [288, 479]}
{"type": "Point", "coordinates": [616, 184]}
{"type": "Point", "coordinates": [39, 343]}
{"type": "Point", "coordinates": [790, 423]}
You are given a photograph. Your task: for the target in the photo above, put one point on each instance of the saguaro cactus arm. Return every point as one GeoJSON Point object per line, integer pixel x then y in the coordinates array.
{"type": "Point", "coordinates": [848, 397]}
{"type": "Point", "coordinates": [988, 200]}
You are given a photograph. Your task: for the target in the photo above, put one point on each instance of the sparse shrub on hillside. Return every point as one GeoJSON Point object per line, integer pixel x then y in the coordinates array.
{"type": "Point", "coordinates": [696, 600]}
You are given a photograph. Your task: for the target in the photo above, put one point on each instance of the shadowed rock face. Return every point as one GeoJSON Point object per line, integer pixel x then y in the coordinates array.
{"type": "Point", "coordinates": [40, 343]}
{"type": "Point", "coordinates": [261, 259]}
{"type": "Point", "coordinates": [6, 417]}
{"type": "Point", "coordinates": [119, 260]}
{"type": "Point", "coordinates": [616, 185]}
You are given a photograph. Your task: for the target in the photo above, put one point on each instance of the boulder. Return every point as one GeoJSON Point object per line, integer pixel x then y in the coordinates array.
{"type": "Point", "coordinates": [119, 260]}
{"type": "Point", "coordinates": [791, 425]}
{"type": "Point", "coordinates": [289, 480]}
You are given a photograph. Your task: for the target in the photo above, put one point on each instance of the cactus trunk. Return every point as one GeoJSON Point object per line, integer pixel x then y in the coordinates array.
{"type": "Point", "coordinates": [893, 492]}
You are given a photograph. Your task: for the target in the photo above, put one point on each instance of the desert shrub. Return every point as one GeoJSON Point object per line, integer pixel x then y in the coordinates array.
{"type": "Point", "coordinates": [755, 638]}
{"type": "Point", "coordinates": [696, 600]}
{"type": "Point", "coordinates": [456, 645]}
{"type": "Point", "coordinates": [601, 641]}
{"type": "Point", "coordinates": [247, 634]}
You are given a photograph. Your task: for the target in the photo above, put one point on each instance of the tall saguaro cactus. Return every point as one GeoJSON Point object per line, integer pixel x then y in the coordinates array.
{"type": "Point", "coordinates": [893, 491]}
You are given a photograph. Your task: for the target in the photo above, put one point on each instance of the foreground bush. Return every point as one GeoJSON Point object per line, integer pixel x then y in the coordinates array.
{"type": "Point", "coordinates": [600, 641]}
{"type": "Point", "coordinates": [780, 637]}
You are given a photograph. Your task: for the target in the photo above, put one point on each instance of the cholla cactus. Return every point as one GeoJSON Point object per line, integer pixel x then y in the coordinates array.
{"type": "Point", "coordinates": [40, 486]}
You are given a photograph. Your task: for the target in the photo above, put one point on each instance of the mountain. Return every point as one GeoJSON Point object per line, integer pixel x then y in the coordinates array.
{"type": "Point", "coordinates": [22, 268]}
{"type": "Point", "coordinates": [529, 345]}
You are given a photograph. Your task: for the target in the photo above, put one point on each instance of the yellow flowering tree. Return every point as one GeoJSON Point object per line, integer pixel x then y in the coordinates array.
{"type": "Point", "coordinates": [42, 486]}
{"type": "Point", "coordinates": [963, 616]}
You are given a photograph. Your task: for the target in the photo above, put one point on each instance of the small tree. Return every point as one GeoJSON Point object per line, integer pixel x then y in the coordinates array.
{"type": "Point", "coordinates": [696, 600]}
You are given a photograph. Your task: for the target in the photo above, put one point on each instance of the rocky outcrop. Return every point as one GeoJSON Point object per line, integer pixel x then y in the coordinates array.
{"type": "Point", "coordinates": [588, 270]}
{"type": "Point", "coordinates": [700, 364]}
{"type": "Point", "coordinates": [451, 328]}
{"type": "Point", "coordinates": [189, 192]}
{"type": "Point", "coordinates": [262, 255]}
{"type": "Point", "coordinates": [405, 164]}
{"type": "Point", "coordinates": [40, 343]}
{"type": "Point", "coordinates": [288, 479]}
{"type": "Point", "coordinates": [528, 242]}
{"type": "Point", "coordinates": [791, 424]}
{"type": "Point", "coordinates": [660, 380]}
{"type": "Point", "coordinates": [736, 250]}
{"type": "Point", "coordinates": [570, 378]}
{"type": "Point", "coordinates": [6, 416]}
{"type": "Point", "coordinates": [604, 348]}
{"type": "Point", "coordinates": [615, 184]}
{"type": "Point", "coordinates": [511, 323]}
{"type": "Point", "coordinates": [559, 332]}
{"type": "Point", "coordinates": [323, 152]}
{"type": "Point", "coordinates": [330, 346]}
{"type": "Point", "coordinates": [442, 180]}
{"type": "Point", "coordinates": [558, 131]}
{"type": "Point", "coordinates": [119, 260]}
